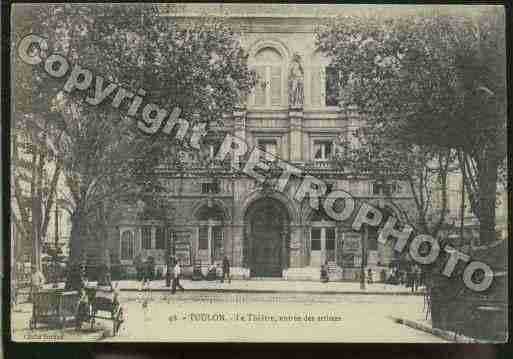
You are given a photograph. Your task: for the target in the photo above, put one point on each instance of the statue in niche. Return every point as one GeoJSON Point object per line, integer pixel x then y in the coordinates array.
{"type": "Point", "coordinates": [296, 83]}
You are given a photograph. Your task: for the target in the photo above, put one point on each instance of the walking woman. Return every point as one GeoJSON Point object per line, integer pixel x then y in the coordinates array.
{"type": "Point", "coordinates": [176, 278]}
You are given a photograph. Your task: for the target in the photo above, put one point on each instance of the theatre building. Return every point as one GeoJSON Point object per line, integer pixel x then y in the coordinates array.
{"type": "Point", "coordinates": [263, 232]}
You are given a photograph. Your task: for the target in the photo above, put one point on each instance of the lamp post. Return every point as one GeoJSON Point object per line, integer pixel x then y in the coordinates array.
{"type": "Point", "coordinates": [363, 261]}
{"type": "Point", "coordinates": [55, 256]}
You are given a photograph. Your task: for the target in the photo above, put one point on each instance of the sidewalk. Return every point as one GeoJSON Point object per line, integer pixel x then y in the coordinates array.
{"type": "Point", "coordinates": [420, 323]}
{"type": "Point", "coordinates": [277, 286]}
{"type": "Point", "coordinates": [22, 333]}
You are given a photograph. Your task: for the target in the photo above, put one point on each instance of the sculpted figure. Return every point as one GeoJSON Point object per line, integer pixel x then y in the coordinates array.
{"type": "Point", "coordinates": [296, 83]}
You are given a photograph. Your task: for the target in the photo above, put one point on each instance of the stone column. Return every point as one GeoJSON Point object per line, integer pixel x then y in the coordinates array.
{"type": "Point", "coordinates": [296, 135]}
{"type": "Point", "coordinates": [237, 238]}
{"type": "Point", "coordinates": [296, 246]}
{"type": "Point", "coordinates": [183, 234]}
{"type": "Point", "coordinates": [153, 237]}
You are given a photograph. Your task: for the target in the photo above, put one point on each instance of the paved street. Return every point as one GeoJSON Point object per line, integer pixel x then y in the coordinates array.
{"type": "Point", "coordinates": [203, 316]}
{"type": "Point", "coordinates": [333, 312]}
{"type": "Point", "coordinates": [21, 332]}
{"type": "Point", "coordinates": [256, 285]}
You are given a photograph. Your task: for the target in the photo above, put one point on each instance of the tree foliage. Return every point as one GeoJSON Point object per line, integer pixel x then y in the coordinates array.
{"type": "Point", "coordinates": [436, 81]}
{"type": "Point", "coordinates": [198, 67]}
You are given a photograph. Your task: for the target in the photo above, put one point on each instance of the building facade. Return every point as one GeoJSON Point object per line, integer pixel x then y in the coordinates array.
{"type": "Point", "coordinates": [265, 233]}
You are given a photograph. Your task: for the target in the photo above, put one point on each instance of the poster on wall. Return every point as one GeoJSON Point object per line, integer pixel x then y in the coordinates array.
{"type": "Point", "coordinates": [183, 253]}
{"type": "Point", "coordinates": [352, 243]}
{"type": "Point", "coordinates": [351, 249]}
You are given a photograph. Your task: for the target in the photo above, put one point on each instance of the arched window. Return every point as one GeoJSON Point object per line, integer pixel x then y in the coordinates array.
{"type": "Point", "coordinates": [268, 92]}
{"type": "Point", "coordinates": [210, 233]}
{"type": "Point", "coordinates": [127, 245]}
{"type": "Point", "coordinates": [322, 239]}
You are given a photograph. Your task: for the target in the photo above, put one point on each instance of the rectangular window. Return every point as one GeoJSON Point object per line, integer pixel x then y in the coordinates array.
{"type": "Point", "coordinates": [383, 189]}
{"type": "Point", "coordinates": [146, 237]}
{"type": "Point", "coordinates": [217, 239]}
{"type": "Point", "coordinates": [330, 244]}
{"type": "Point", "coordinates": [160, 238]}
{"type": "Point", "coordinates": [330, 234]}
{"type": "Point", "coordinates": [316, 239]}
{"type": "Point", "coordinates": [275, 85]}
{"type": "Point", "coordinates": [331, 86]}
{"type": "Point", "coordinates": [127, 246]}
{"type": "Point", "coordinates": [203, 238]}
{"type": "Point", "coordinates": [322, 150]}
{"type": "Point", "coordinates": [214, 187]}
{"type": "Point", "coordinates": [210, 187]}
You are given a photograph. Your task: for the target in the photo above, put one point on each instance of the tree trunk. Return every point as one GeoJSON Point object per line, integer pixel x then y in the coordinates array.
{"type": "Point", "coordinates": [75, 245]}
{"type": "Point", "coordinates": [74, 280]}
{"type": "Point", "coordinates": [488, 168]}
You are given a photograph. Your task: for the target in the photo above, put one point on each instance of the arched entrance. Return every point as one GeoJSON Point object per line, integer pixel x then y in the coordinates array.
{"type": "Point", "coordinates": [267, 236]}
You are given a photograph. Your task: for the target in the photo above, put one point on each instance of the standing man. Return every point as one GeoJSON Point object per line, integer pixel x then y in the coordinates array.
{"type": "Point", "coordinates": [226, 270]}
{"type": "Point", "coordinates": [176, 278]}
{"type": "Point", "coordinates": [369, 276]}
{"type": "Point", "coordinates": [411, 278]}
{"type": "Point", "coordinates": [416, 277]}
{"type": "Point", "coordinates": [36, 282]}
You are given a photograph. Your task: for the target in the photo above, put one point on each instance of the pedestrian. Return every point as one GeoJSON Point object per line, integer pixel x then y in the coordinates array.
{"type": "Point", "coordinates": [226, 270]}
{"type": "Point", "coordinates": [146, 308]}
{"type": "Point", "coordinates": [121, 311]}
{"type": "Point", "coordinates": [422, 278]}
{"type": "Point", "coordinates": [140, 287]}
{"type": "Point", "coordinates": [416, 277]}
{"type": "Point", "coordinates": [404, 277]}
{"type": "Point", "coordinates": [83, 309]}
{"type": "Point", "coordinates": [212, 271]}
{"type": "Point", "coordinates": [14, 299]}
{"type": "Point", "coordinates": [411, 278]}
{"type": "Point", "coordinates": [37, 280]}
{"type": "Point", "coordinates": [324, 274]}
{"type": "Point", "coordinates": [369, 276]}
{"type": "Point", "coordinates": [115, 290]}
{"type": "Point", "coordinates": [176, 278]}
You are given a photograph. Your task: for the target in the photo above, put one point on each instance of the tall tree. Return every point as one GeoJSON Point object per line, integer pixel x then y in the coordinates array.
{"type": "Point", "coordinates": [198, 67]}
{"type": "Point", "coordinates": [392, 163]}
{"type": "Point", "coordinates": [36, 166]}
{"type": "Point", "coordinates": [436, 81]}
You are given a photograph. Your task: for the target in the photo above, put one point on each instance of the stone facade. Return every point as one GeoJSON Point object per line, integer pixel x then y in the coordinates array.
{"type": "Point", "coordinates": [227, 216]}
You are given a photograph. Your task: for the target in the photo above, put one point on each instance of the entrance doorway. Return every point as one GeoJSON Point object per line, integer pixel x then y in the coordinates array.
{"type": "Point", "coordinates": [266, 223]}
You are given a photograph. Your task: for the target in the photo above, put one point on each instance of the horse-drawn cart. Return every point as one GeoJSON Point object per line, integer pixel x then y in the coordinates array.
{"type": "Point", "coordinates": [105, 300]}
{"type": "Point", "coordinates": [53, 306]}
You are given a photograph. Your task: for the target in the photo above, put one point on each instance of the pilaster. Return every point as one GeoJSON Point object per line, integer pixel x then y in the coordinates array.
{"type": "Point", "coordinates": [239, 123]}
{"type": "Point", "coordinates": [296, 134]}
